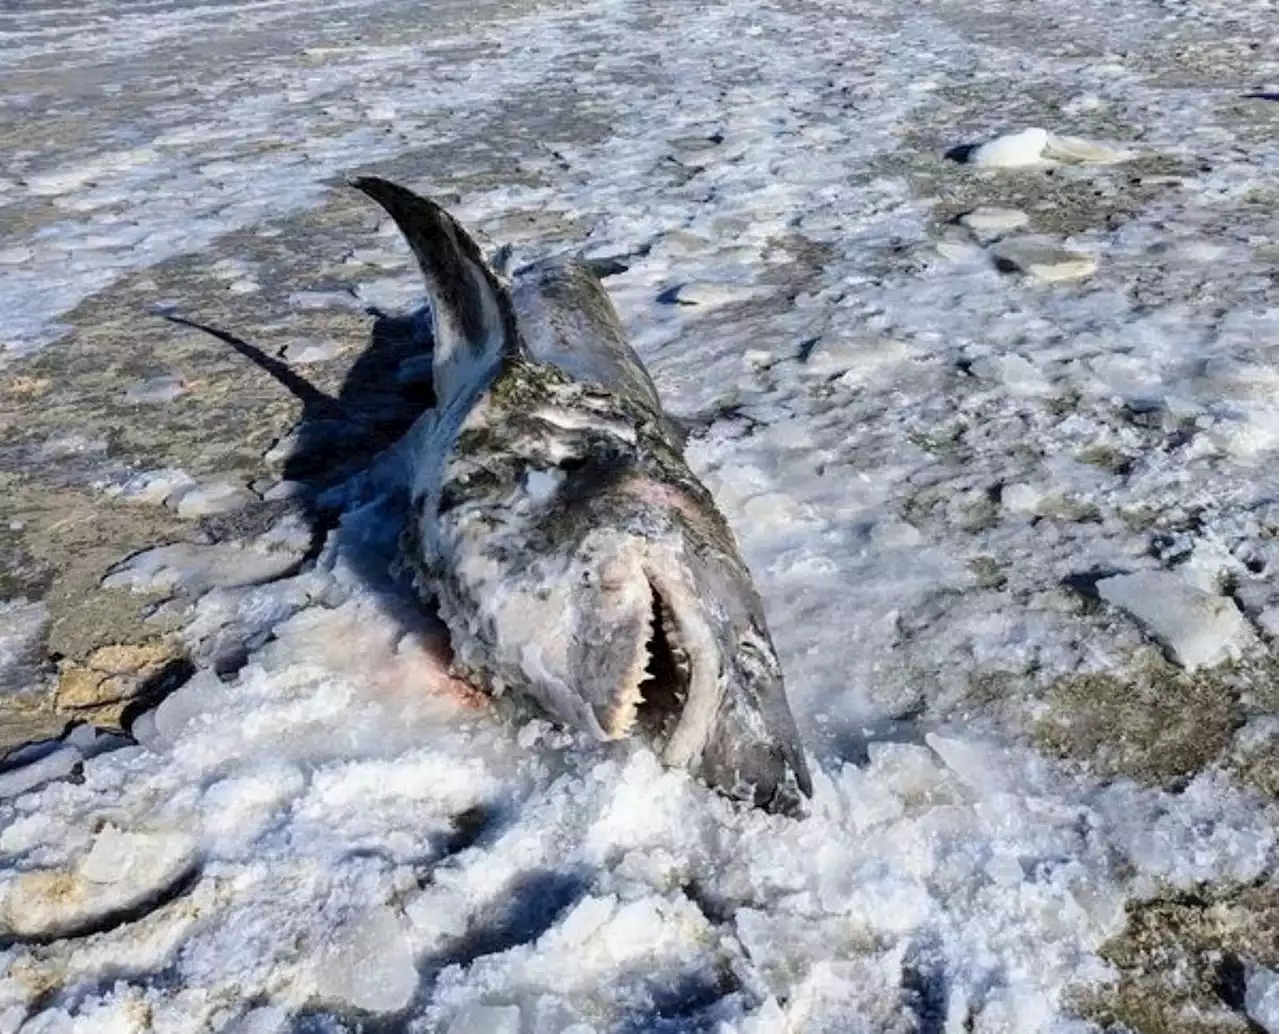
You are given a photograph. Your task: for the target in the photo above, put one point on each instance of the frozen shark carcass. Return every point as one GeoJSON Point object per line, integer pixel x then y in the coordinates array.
{"type": "Point", "coordinates": [571, 552]}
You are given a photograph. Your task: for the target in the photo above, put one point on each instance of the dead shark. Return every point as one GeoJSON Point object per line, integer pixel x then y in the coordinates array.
{"type": "Point", "coordinates": [556, 526]}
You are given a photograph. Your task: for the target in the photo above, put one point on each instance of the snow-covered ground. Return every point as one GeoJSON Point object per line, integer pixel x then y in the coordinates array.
{"type": "Point", "coordinates": [1007, 483]}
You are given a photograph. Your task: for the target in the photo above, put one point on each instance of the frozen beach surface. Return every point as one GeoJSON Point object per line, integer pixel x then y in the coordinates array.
{"type": "Point", "coordinates": [971, 310]}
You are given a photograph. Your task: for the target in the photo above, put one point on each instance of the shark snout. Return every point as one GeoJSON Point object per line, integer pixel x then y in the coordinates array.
{"type": "Point", "coordinates": [690, 676]}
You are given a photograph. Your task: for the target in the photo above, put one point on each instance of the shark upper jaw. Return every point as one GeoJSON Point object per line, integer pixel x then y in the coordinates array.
{"type": "Point", "coordinates": [671, 696]}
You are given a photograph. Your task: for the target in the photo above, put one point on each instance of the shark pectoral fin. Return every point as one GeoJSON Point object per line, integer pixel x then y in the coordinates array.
{"type": "Point", "coordinates": [472, 318]}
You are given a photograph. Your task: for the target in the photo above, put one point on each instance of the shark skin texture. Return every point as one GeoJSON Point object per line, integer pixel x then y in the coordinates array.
{"type": "Point", "coordinates": [571, 552]}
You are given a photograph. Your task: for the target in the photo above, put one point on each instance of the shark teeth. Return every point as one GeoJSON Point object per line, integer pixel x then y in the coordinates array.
{"type": "Point", "coordinates": [655, 688]}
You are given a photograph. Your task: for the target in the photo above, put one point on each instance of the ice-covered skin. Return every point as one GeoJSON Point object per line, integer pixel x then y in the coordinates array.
{"type": "Point", "coordinates": [572, 553]}
{"type": "Point", "coordinates": [566, 319]}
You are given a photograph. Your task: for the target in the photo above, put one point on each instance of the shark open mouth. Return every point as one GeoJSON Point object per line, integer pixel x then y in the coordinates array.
{"type": "Point", "coordinates": [673, 701]}
{"type": "Point", "coordinates": [665, 688]}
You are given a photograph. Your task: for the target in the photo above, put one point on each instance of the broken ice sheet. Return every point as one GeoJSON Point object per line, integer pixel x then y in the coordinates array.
{"type": "Point", "coordinates": [1198, 628]}
{"type": "Point", "coordinates": [121, 871]}
{"type": "Point", "coordinates": [194, 568]}
{"type": "Point", "coordinates": [367, 964]}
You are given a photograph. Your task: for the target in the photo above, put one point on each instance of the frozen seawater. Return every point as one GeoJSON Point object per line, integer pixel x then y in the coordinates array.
{"type": "Point", "coordinates": [1044, 261]}
{"type": "Point", "coordinates": [195, 568]}
{"type": "Point", "coordinates": [487, 1019]}
{"type": "Point", "coordinates": [154, 487]}
{"type": "Point", "coordinates": [22, 777]}
{"type": "Point", "coordinates": [991, 220]}
{"type": "Point", "coordinates": [156, 390]}
{"type": "Point", "coordinates": [1085, 152]}
{"type": "Point", "coordinates": [303, 352]}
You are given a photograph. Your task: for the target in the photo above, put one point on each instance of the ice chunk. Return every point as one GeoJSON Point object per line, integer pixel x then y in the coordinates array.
{"type": "Point", "coordinates": [487, 1019]}
{"type": "Point", "coordinates": [70, 177]}
{"type": "Point", "coordinates": [895, 534]}
{"type": "Point", "coordinates": [969, 762]}
{"type": "Point", "coordinates": [867, 801]}
{"type": "Point", "coordinates": [1085, 152]}
{"type": "Point", "coordinates": [121, 872]}
{"type": "Point", "coordinates": [1268, 619]}
{"type": "Point", "coordinates": [73, 444]}
{"type": "Point", "coordinates": [1036, 146]}
{"type": "Point", "coordinates": [995, 220]}
{"type": "Point", "coordinates": [155, 486]}
{"type": "Point", "coordinates": [286, 490]}
{"type": "Point", "coordinates": [312, 301]}
{"type": "Point", "coordinates": [1020, 498]}
{"type": "Point", "coordinates": [218, 497]}
{"type": "Point", "coordinates": [303, 351]}
{"type": "Point", "coordinates": [1262, 999]}
{"type": "Point", "coordinates": [155, 390]}
{"type": "Point", "coordinates": [768, 1019]}
{"type": "Point", "coordinates": [1045, 262]}
{"type": "Point", "coordinates": [391, 294]}
{"type": "Point", "coordinates": [368, 965]}
{"type": "Point", "coordinates": [1019, 375]}
{"type": "Point", "coordinates": [54, 765]}
{"type": "Point", "coordinates": [266, 1019]}
{"type": "Point", "coordinates": [203, 694]}
{"type": "Point", "coordinates": [186, 567]}
{"type": "Point", "coordinates": [22, 626]}
{"type": "Point", "coordinates": [709, 294]}
{"type": "Point", "coordinates": [961, 252]}
{"type": "Point", "coordinates": [1198, 628]}
{"type": "Point", "coordinates": [1011, 151]}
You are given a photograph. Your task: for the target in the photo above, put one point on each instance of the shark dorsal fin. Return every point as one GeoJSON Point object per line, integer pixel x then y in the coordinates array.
{"type": "Point", "coordinates": [472, 318]}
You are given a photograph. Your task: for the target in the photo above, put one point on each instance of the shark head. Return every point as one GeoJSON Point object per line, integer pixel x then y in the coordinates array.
{"type": "Point", "coordinates": [572, 553]}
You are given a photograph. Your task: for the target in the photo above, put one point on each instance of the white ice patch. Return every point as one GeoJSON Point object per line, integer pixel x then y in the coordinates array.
{"type": "Point", "coordinates": [1198, 628]}
{"type": "Point", "coordinates": [22, 626]}
{"type": "Point", "coordinates": [26, 774]}
{"type": "Point", "coordinates": [987, 219]}
{"type": "Point", "coordinates": [154, 487]}
{"type": "Point", "coordinates": [367, 964]}
{"type": "Point", "coordinates": [487, 1019]}
{"type": "Point", "coordinates": [156, 390]}
{"type": "Point", "coordinates": [192, 568]}
{"type": "Point", "coordinates": [1046, 262]}
{"type": "Point", "coordinates": [1085, 152]}
{"type": "Point", "coordinates": [1262, 999]}
{"type": "Point", "coordinates": [1034, 147]}
{"type": "Point", "coordinates": [1012, 151]}
{"type": "Point", "coordinates": [216, 497]}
